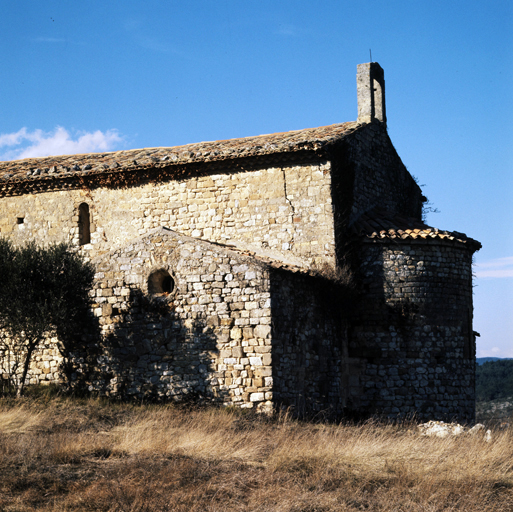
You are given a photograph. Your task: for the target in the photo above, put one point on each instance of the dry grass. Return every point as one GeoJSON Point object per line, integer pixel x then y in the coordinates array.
{"type": "Point", "coordinates": [70, 455]}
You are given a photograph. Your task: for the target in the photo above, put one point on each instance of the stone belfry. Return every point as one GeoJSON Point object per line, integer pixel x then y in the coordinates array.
{"type": "Point", "coordinates": [370, 84]}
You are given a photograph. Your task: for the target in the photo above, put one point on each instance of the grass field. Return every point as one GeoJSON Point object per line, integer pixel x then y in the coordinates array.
{"type": "Point", "coordinates": [61, 454]}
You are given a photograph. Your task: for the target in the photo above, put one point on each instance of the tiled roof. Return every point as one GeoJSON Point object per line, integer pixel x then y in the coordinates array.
{"type": "Point", "coordinates": [52, 167]}
{"type": "Point", "coordinates": [379, 224]}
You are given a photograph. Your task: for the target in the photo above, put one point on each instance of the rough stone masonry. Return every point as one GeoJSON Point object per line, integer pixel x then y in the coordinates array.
{"type": "Point", "coordinates": [283, 270]}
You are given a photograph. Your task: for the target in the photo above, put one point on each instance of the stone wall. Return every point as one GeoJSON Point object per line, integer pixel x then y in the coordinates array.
{"type": "Point", "coordinates": [45, 367]}
{"type": "Point", "coordinates": [285, 212]}
{"type": "Point", "coordinates": [183, 319]}
{"type": "Point", "coordinates": [208, 336]}
{"type": "Point", "coordinates": [309, 344]}
{"type": "Point", "coordinates": [379, 176]}
{"type": "Point", "coordinates": [232, 329]}
{"type": "Point", "coordinates": [412, 342]}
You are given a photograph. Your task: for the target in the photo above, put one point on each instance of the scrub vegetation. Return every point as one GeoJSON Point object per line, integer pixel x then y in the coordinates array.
{"type": "Point", "coordinates": [81, 454]}
{"type": "Point", "coordinates": [44, 292]}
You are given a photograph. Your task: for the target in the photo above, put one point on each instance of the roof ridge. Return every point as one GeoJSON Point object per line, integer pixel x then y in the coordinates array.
{"type": "Point", "coordinates": [49, 169]}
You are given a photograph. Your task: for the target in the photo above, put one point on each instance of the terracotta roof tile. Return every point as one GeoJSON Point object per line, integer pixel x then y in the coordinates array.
{"type": "Point", "coordinates": [379, 224]}
{"type": "Point", "coordinates": [48, 168]}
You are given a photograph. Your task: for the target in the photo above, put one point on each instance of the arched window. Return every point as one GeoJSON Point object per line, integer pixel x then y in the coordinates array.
{"type": "Point", "coordinates": [84, 224]}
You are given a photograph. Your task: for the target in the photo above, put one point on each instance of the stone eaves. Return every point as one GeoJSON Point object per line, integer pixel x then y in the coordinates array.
{"type": "Point", "coordinates": [18, 174]}
{"type": "Point", "coordinates": [266, 260]}
{"type": "Point", "coordinates": [378, 224]}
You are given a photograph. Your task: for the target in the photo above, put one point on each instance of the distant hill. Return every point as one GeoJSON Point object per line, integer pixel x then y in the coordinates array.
{"type": "Point", "coordinates": [494, 379]}
{"type": "Point", "coordinates": [482, 360]}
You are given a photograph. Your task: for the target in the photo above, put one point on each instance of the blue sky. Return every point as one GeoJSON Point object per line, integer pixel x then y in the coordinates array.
{"type": "Point", "coordinates": [107, 75]}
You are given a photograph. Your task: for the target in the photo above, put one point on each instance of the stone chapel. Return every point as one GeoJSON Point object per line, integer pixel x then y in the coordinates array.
{"type": "Point", "coordinates": [283, 270]}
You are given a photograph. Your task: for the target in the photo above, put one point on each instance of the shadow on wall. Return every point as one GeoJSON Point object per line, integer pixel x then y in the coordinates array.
{"type": "Point", "coordinates": [310, 343]}
{"type": "Point", "coordinates": [411, 334]}
{"type": "Point", "coordinates": [60, 356]}
{"type": "Point", "coordinates": [150, 353]}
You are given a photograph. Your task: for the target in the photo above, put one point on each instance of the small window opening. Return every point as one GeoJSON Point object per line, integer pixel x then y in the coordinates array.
{"type": "Point", "coordinates": [378, 101]}
{"type": "Point", "coordinates": [84, 224]}
{"type": "Point", "coordinates": [20, 220]}
{"type": "Point", "coordinates": [160, 282]}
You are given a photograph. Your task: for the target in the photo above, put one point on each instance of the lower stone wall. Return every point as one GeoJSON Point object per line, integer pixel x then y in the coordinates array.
{"type": "Point", "coordinates": [233, 330]}
{"type": "Point", "coordinates": [309, 344]}
{"type": "Point", "coordinates": [412, 340]}
{"type": "Point", "coordinates": [183, 319]}
{"type": "Point", "coordinates": [45, 367]}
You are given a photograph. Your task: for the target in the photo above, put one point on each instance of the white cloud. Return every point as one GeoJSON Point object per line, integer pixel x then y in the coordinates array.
{"type": "Point", "coordinates": [499, 267]}
{"type": "Point", "coordinates": [12, 139]}
{"type": "Point", "coordinates": [58, 142]}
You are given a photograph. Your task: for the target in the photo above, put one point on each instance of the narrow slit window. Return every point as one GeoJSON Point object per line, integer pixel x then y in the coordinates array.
{"type": "Point", "coordinates": [378, 101]}
{"type": "Point", "coordinates": [84, 224]}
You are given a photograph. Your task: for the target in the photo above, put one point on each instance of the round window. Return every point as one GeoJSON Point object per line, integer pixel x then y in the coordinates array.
{"type": "Point", "coordinates": [160, 282]}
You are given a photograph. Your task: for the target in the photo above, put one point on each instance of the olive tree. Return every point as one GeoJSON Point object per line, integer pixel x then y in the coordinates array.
{"type": "Point", "coordinates": [44, 291]}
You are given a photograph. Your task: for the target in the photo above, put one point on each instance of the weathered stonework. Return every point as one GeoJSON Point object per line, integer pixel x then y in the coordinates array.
{"type": "Point", "coordinates": [286, 270]}
{"type": "Point", "coordinates": [46, 362]}
{"type": "Point", "coordinates": [285, 211]}
{"type": "Point", "coordinates": [413, 341]}
{"type": "Point", "coordinates": [212, 335]}
{"type": "Point", "coordinates": [208, 337]}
